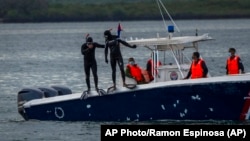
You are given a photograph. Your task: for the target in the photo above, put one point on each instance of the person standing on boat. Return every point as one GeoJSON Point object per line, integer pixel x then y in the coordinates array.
{"type": "Point", "coordinates": [88, 50]}
{"type": "Point", "coordinates": [234, 63]}
{"type": "Point", "coordinates": [149, 67]}
{"type": "Point", "coordinates": [198, 67]}
{"type": "Point", "coordinates": [113, 43]}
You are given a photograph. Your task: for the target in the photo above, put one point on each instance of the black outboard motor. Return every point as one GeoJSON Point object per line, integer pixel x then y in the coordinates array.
{"type": "Point", "coordinates": [48, 91]}
{"type": "Point", "coordinates": [62, 90]}
{"type": "Point", "coordinates": [25, 95]}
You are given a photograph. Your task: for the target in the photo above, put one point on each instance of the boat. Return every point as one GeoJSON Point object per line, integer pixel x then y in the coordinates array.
{"type": "Point", "coordinates": [168, 97]}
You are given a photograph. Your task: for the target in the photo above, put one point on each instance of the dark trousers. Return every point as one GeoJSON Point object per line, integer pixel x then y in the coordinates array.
{"type": "Point", "coordinates": [120, 63]}
{"type": "Point", "coordinates": [93, 67]}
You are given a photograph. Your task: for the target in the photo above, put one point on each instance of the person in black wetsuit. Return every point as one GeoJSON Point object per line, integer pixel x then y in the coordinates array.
{"type": "Point", "coordinates": [88, 50]}
{"type": "Point", "coordinates": [113, 43]}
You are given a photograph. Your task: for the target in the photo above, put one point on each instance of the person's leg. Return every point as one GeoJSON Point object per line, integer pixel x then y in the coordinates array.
{"type": "Point", "coordinates": [113, 67]}
{"type": "Point", "coordinates": [121, 66]}
{"type": "Point", "coordinates": [87, 74]}
{"type": "Point", "coordinates": [94, 72]}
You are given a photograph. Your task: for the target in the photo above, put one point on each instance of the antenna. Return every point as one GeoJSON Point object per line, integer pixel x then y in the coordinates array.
{"type": "Point", "coordinates": [165, 25]}
{"type": "Point", "coordinates": [159, 1]}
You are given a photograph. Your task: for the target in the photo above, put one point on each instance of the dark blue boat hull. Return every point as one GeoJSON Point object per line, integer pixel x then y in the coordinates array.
{"type": "Point", "coordinates": [214, 101]}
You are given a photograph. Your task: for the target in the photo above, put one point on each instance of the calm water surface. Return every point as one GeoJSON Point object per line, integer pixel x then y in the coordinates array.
{"type": "Point", "coordinates": [43, 54]}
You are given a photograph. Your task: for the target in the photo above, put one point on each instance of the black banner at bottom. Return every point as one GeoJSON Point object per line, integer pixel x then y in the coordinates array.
{"type": "Point", "coordinates": [163, 132]}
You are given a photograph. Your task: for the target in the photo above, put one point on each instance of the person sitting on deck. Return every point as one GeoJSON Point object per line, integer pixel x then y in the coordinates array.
{"type": "Point", "coordinates": [198, 67]}
{"type": "Point", "coordinates": [135, 71]}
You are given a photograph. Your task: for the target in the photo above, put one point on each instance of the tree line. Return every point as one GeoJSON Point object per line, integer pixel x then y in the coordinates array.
{"type": "Point", "coordinates": [77, 10]}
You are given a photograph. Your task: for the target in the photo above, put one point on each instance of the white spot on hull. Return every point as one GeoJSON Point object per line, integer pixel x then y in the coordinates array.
{"type": "Point", "coordinates": [163, 107]}
{"type": "Point", "coordinates": [88, 106]}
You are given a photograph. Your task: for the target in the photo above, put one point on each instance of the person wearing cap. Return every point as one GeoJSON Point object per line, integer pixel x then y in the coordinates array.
{"type": "Point", "coordinates": [88, 50]}
{"type": "Point", "coordinates": [198, 68]}
{"type": "Point", "coordinates": [234, 63]}
{"type": "Point", "coordinates": [113, 43]}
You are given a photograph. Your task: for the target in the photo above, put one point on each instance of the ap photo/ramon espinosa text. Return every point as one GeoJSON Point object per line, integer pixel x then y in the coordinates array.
{"type": "Point", "coordinates": [232, 132]}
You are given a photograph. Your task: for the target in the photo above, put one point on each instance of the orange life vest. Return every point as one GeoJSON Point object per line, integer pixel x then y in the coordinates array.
{"type": "Point", "coordinates": [197, 70]}
{"type": "Point", "coordinates": [232, 65]}
{"type": "Point", "coordinates": [135, 72]}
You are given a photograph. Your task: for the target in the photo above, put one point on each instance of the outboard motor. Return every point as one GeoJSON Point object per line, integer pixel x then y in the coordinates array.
{"type": "Point", "coordinates": [48, 91]}
{"type": "Point", "coordinates": [25, 95]}
{"type": "Point", "coordinates": [62, 90]}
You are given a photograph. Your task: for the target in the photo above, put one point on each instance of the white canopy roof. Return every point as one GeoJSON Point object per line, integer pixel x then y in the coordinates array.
{"type": "Point", "coordinates": [170, 41]}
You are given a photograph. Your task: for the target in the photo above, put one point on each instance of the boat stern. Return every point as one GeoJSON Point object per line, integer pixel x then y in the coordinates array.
{"type": "Point", "coordinates": [27, 94]}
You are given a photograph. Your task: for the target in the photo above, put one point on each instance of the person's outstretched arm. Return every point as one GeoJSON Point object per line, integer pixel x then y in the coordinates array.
{"type": "Point", "coordinates": [99, 45]}
{"type": "Point", "coordinates": [126, 44]}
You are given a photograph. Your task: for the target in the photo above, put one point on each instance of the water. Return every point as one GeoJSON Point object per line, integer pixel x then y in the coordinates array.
{"type": "Point", "coordinates": [43, 54]}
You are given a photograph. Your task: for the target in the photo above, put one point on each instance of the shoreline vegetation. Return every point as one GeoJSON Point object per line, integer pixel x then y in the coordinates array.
{"type": "Point", "coordinates": [15, 11]}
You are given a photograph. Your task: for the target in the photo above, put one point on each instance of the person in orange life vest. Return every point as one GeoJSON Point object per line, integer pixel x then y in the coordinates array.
{"type": "Point", "coordinates": [234, 64]}
{"type": "Point", "coordinates": [150, 66]}
{"type": "Point", "coordinates": [134, 71]}
{"type": "Point", "coordinates": [198, 68]}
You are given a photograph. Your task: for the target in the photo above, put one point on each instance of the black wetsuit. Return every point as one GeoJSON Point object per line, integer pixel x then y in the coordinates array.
{"type": "Point", "coordinates": [90, 62]}
{"type": "Point", "coordinates": [116, 56]}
